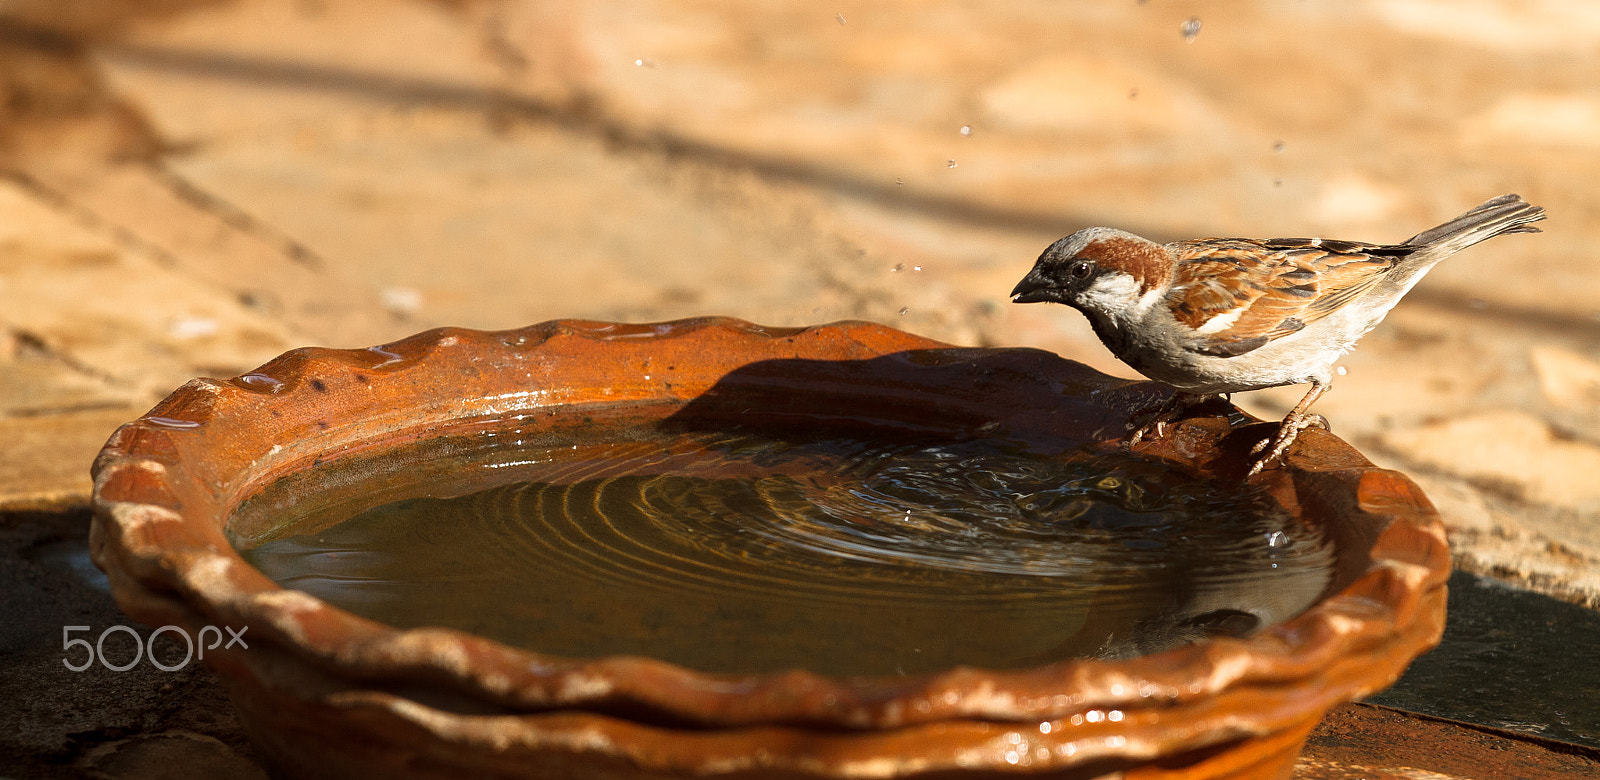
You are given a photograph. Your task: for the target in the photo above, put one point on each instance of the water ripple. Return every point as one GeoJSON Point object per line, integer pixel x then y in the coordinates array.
{"type": "Point", "coordinates": [736, 553]}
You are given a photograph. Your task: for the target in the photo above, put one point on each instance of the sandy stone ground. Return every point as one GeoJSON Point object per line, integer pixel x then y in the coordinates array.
{"type": "Point", "coordinates": [191, 187]}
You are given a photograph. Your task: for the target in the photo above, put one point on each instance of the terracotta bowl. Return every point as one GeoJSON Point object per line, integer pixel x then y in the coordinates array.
{"type": "Point", "coordinates": [327, 694]}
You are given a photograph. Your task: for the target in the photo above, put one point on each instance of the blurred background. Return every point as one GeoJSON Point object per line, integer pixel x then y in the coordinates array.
{"type": "Point", "coordinates": [190, 187]}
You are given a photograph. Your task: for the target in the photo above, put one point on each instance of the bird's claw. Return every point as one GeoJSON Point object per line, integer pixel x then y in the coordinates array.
{"type": "Point", "coordinates": [1288, 431]}
{"type": "Point", "coordinates": [1159, 415]}
{"type": "Point", "coordinates": [1152, 430]}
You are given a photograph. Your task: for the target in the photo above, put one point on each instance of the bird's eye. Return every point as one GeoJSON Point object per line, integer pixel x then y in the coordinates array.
{"type": "Point", "coordinates": [1081, 269]}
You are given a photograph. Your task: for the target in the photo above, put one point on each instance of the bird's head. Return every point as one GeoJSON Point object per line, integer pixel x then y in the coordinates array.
{"type": "Point", "coordinates": [1096, 270]}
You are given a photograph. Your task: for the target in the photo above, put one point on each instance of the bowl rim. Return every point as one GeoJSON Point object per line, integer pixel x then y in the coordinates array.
{"type": "Point", "coordinates": [159, 512]}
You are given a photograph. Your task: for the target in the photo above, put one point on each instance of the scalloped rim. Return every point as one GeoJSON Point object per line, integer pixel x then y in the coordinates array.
{"type": "Point", "coordinates": [169, 564]}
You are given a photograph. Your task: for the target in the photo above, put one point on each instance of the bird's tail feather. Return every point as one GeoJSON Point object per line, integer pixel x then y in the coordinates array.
{"type": "Point", "coordinates": [1505, 214]}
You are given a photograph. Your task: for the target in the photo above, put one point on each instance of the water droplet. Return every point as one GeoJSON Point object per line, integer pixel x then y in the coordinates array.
{"type": "Point", "coordinates": [898, 267]}
{"type": "Point", "coordinates": [904, 309]}
{"type": "Point", "coordinates": [1045, 727]}
{"type": "Point", "coordinates": [1277, 539]}
{"type": "Point", "coordinates": [644, 63]}
{"type": "Point", "coordinates": [966, 129]}
{"type": "Point", "coordinates": [916, 268]}
{"type": "Point", "coordinates": [1340, 370]}
{"type": "Point", "coordinates": [401, 301]}
{"type": "Point", "coordinates": [1278, 146]}
{"type": "Point", "coordinates": [388, 357]}
{"type": "Point", "coordinates": [1115, 716]}
{"type": "Point", "coordinates": [261, 382]}
{"type": "Point", "coordinates": [950, 164]}
{"type": "Point", "coordinates": [899, 182]}
{"type": "Point", "coordinates": [1191, 29]}
{"type": "Point", "coordinates": [169, 422]}
{"type": "Point", "coordinates": [186, 328]}
{"type": "Point", "coordinates": [839, 18]}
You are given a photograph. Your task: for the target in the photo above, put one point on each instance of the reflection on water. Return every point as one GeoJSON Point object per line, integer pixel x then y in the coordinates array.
{"type": "Point", "coordinates": [744, 554]}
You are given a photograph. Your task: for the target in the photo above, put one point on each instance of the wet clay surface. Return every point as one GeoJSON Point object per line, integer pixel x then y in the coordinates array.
{"type": "Point", "coordinates": [168, 483]}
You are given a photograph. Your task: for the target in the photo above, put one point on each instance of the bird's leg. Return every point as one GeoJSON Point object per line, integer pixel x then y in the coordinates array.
{"type": "Point", "coordinates": [1290, 428]}
{"type": "Point", "coordinates": [1159, 415]}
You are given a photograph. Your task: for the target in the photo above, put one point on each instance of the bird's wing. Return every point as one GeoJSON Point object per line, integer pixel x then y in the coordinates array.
{"type": "Point", "coordinates": [1241, 294]}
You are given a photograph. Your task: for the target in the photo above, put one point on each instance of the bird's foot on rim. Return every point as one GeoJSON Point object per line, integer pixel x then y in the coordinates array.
{"type": "Point", "coordinates": [1288, 431]}
{"type": "Point", "coordinates": [1157, 416]}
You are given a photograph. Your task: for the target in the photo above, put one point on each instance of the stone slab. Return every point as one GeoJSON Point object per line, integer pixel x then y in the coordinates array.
{"type": "Point", "coordinates": [44, 463]}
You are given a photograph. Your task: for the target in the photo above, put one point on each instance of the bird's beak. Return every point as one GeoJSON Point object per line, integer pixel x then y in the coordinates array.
{"type": "Point", "coordinates": [1035, 288]}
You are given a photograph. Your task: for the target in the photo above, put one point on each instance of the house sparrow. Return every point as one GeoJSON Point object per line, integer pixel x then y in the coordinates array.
{"type": "Point", "coordinates": [1225, 315]}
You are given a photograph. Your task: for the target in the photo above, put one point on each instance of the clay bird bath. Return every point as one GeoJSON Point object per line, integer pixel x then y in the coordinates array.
{"type": "Point", "coordinates": [217, 468]}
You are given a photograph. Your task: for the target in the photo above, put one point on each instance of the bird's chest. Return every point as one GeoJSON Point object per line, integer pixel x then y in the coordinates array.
{"type": "Point", "coordinates": [1157, 353]}
{"type": "Point", "coordinates": [1117, 338]}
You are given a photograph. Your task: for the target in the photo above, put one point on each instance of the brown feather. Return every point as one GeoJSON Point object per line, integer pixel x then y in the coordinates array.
{"type": "Point", "coordinates": [1277, 287]}
{"type": "Point", "coordinates": [1145, 261]}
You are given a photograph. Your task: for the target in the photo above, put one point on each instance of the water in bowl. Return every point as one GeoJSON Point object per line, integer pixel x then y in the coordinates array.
{"type": "Point", "coordinates": [728, 552]}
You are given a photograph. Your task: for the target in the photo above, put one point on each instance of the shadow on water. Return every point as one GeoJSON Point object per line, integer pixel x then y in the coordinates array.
{"type": "Point", "coordinates": [1510, 659]}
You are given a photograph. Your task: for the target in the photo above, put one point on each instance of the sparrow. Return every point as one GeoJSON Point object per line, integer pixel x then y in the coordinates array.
{"type": "Point", "coordinates": [1215, 316]}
